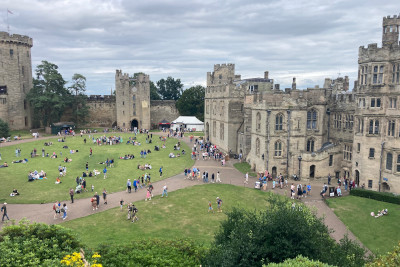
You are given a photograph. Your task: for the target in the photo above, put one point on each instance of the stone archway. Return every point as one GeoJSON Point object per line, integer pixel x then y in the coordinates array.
{"type": "Point", "coordinates": [357, 179]}
{"type": "Point", "coordinates": [312, 171]}
{"type": "Point", "coordinates": [134, 123]}
{"type": "Point", "coordinates": [385, 187]}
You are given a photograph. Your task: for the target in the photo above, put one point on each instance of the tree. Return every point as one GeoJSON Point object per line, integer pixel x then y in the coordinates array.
{"type": "Point", "coordinates": [35, 244]}
{"type": "Point", "coordinates": [80, 108]}
{"type": "Point", "coordinates": [191, 103]}
{"type": "Point", "coordinates": [153, 92]}
{"type": "Point", "coordinates": [48, 97]}
{"type": "Point", "coordinates": [169, 89]}
{"type": "Point", "coordinates": [279, 232]}
{"type": "Point", "coordinates": [4, 129]}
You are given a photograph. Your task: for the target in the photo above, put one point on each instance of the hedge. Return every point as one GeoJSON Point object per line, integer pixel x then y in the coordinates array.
{"type": "Point", "coordinates": [381, 196]}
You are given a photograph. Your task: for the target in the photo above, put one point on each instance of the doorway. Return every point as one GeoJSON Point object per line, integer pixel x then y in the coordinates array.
{"type": "Point", "coordinates": [385, 187]}
{"type": "Point", "coordinates": [357, 178]}
{"type": "Point", "coordinates": [134, 123]}
{"type": "Point", "coordinates": [274, 172]}
{"type": "Point", "coordinates": [312, 171]}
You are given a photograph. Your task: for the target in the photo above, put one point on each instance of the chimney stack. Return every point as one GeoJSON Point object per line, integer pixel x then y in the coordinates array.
{"type": "Point", "coordinates": [265, 74]}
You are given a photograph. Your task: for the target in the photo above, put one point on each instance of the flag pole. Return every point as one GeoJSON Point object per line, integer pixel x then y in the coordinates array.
{"type": "Point", "coordinates": [8, 24]}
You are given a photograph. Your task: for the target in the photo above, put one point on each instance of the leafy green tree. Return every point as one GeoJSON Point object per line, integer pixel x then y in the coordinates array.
{"type": "Point", "coordinates": [80, 109]}
{"type": "Point", "coordinates": [392, 258]}
{"type": "Point", "coordinates": [4, 129]}
{"type": "Point", "coordinates": [48, 97]}
{"type": "Point", "coordinates": [191, 103]}
{"type": "Point", "coordinates": [279, 232]}
{"type": "Point", "coordinates": [35, 244]}
{"type": "Point", "coordinates": [169, 89]}
{"type": "Point", "coordinates": [153, 92]}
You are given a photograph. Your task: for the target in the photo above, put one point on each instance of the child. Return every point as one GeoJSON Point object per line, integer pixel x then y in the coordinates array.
{"type": "Point", "coordinates": [92, 188]}
{"type": "Point", "coordinates": [309, 189]}
{"type": "Point", "coordinates": [273, 184]}
{"type": "Point", "coordinates": [121, 203]}
{"type": "Point", "coordinates": [148, 195]}
{"type": "Point", "coordinates": [210, 207]}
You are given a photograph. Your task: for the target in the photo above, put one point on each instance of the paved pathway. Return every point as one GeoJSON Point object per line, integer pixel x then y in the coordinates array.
{"type": "Point", "coordinates": [229, 175]}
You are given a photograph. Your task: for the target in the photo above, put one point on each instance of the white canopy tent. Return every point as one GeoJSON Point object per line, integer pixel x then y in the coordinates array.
{"type": "Point", "coordinates": [190, 123]}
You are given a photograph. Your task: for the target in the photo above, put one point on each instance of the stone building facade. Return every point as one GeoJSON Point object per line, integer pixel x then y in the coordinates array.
{"type": "Point", "coordinates": [315, 132]}
{"type": "Point", "coordinates": [15, 80]}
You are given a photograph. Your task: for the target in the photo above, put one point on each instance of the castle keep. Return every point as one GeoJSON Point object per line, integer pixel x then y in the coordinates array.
{"type": "Point", "coordinates": [15, 79]}
{"type": "Point", "coordinates": [317, 131]}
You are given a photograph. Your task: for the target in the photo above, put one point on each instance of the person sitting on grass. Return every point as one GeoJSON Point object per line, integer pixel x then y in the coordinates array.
{"type": "Point", "coordinates": [14, 193]}
{"type": "Point", "coordinates": [58, 180]}
{"type": "Point", "coordinates": [171, 155]}
{"type": "Point", "coordinates": [4, 165]}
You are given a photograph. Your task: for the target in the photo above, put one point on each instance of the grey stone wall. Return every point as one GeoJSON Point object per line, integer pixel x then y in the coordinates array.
{"type": "Point", "coordinates": [162, 110]}
{"type": "Point", "coordinates": [16, 77]}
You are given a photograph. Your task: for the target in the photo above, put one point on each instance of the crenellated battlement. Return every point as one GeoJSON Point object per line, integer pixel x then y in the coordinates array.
{"type": "Point", "coordinates": [230, 66]}
{"type": "Point", "coordinates": [5, 37]}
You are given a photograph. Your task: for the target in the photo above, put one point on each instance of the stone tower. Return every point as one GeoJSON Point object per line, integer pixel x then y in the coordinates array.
{"type": "Point", "coordinates": [132, 100]}
{"type": "Point", "coordinates": [15, 79]}
{"type": "Point", "coordinates": [390, 30]}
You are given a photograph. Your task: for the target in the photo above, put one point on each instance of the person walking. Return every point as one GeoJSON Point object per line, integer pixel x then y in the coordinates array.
{"type": "Point", "coordinates": [161, 171]}
{"type": "Point", "coordinates": [329, 179]}
{"type": "Point", "coordinates": [105, 196]}
{"type": "Point", "coordinates": [121, 203]}
{"type": "Point", "coordinates": [93, 201]}
{"type": "Point", "coordinates": [219, 204]}
{"type": "Point", "coordinates": [4, 210]}
{"type": "Point", "coordinates": [148, 195]}
{"type": "Point", "coordinates": [129, 185]}
{"type": "Point", "coordinates": [165, 191]}
{"type": "Point", "coordinates": [64, 211]}
{"type": "Point", "coordinates": [87, 166]}
{"type": "Point", "coordinates": [218, 177]}
{"type": "Point", "coordinates": [246, 181]}
{"type": "Point", "coordinates": [56, 208]}
{"type": "Point", "coordinates": [105, 172]}
{"type": "Point", "coordinates": [135, 185]}
{"type": "Point", "coordinates": [71, 194]}
{"type": "Point", "coordinates": [97, 200]}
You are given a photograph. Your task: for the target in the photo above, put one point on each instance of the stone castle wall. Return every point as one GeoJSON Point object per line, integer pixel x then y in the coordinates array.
{"type": "Point", "coordinates": [162, 110]}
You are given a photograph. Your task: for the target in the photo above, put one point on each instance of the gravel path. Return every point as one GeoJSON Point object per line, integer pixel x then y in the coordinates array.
{"type": "Point", "coordinates": [229, 175]}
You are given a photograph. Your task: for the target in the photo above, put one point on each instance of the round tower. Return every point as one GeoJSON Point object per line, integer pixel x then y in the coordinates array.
{"type": "Point", "coordinates": [390, 30]}
{"type": "Point", "coordinates": [15, 79]}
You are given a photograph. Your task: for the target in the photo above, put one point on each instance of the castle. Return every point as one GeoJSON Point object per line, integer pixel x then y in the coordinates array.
{"type": "Point", "coordinates": [315, 132]}
{"type": "Point", "coordinates": [130, 107]}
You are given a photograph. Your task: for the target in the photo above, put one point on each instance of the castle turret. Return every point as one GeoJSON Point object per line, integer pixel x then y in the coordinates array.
{"type": "Point", "coordinates": [15, 79]}
{"type": "Point", "coordinates": [390, 30]}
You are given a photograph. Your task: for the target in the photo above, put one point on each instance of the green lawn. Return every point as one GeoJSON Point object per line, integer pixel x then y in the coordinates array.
{"type": "Point", "coordinates": [381, 234]}
{"type": "Point", "coordinates": [184, 214]}
{"type": "Point", "coordinates": [195, 133]}
{"type": "Point", "coordinates": [25, 134]}
{"type": "Point", "coordinates": [244, 167]}
{"type": "Point", "coordinates": [44, 191]}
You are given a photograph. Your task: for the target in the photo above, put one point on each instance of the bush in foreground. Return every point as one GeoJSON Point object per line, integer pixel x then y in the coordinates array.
{"type": "Point", "coordinates": [152, 253]}
{"type": "Point", "coordinates": [279, 232]}
{"type": "Point", "coordinates": [35, 244]}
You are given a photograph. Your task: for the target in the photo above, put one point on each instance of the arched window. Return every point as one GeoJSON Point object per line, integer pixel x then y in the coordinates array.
{"type": "Point", "coordinates": [310, 145]}
{"type": "Point", "coordinates": [258, 147]}
{"type": "Point", "coordinates": [279, 122]}
{"type": "Point", "coordinates": [312, 119]}
{"type": "Point", "coordinates": [278, 148]}
{"type": "Point", "coordinates": [258, 121]}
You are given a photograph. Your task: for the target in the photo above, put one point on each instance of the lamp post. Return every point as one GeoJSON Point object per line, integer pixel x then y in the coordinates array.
{"type": "Point", "coordinates": [299, 158]}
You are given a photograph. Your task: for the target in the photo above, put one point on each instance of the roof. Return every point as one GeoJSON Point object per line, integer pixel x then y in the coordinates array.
{"type": "Point", "coordinates": [164, 121]}
{"type": "Point", "coordinates": [64, 124]}
{"type": "Point", "coordinates": [187, 120]}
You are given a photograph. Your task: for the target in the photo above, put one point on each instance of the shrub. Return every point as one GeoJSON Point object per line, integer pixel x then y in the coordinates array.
{"type": "Point", "coordinates": [35, 244]}
{"type": "Point", "coordinates": [392, 258]}
{"type": "Point", "coordinates": [279, 232]}
{"type": "Point", "coordinates": [299, 261]}
{"type": "Point", "coordinates": [152, 252]}
{"type": "Point", "coordinates": [380, 196]}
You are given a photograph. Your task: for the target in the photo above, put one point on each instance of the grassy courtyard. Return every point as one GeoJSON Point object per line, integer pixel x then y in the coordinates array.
{"type": "Point", "coordinates": [182, 215]}
{"type": "Point", "coordinates": [381, 234]}
{"type": "Point", "coordinates": [44, 191]}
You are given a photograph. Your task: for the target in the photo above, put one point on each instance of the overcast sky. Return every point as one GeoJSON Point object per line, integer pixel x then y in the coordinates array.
{"type": "Point", "coordinates": [309, 40]}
